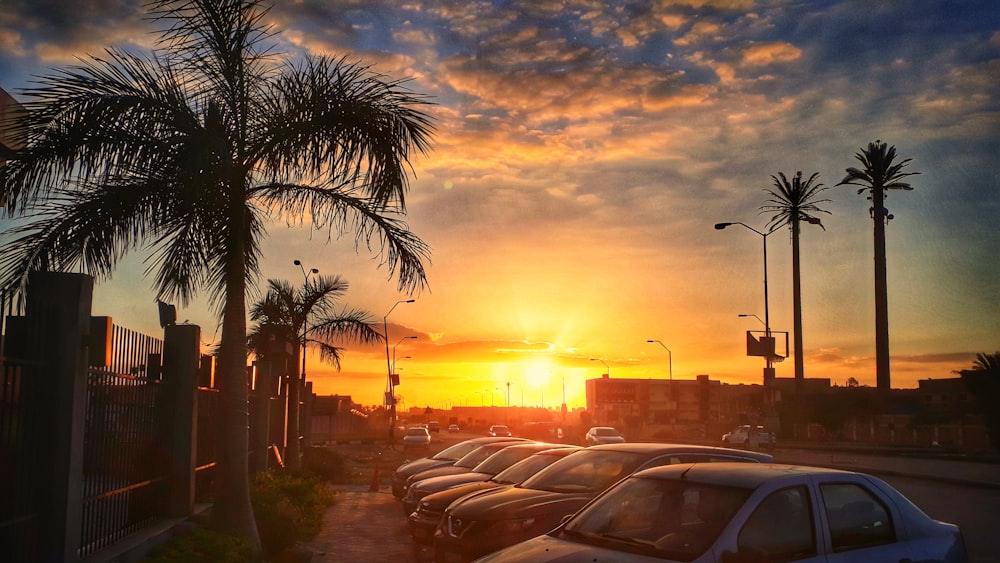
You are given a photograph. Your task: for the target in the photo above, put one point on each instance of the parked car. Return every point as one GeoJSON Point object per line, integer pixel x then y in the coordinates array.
{"type": "Point", "coordinates": [446, 456]}
{"type": "Point", "coordinates": [603, 435]}
{"type": "Point", "coordinates": [499, 430]}
{"type": "Point", "coordinates": [484, 522]}
{"type": "Point", "coordinates": [417, 437]}
{"type": "Point", "coordinates": [452, 428]}
{"type": "Point", "coordinates": [495, 463]}
{"type": "Point", "coordinates": [465, 465]}
{"type": "Point", "coordinates": [743, 436]}
{"type": "Point", "coordinates": [425, 519]}
{"type": "Point", "coordinates": [721, 512]}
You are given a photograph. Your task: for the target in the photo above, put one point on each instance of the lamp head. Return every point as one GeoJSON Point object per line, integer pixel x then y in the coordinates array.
{"type": "Point", "coordinates": [409, 301]}
{"type": "Point", "coordinates": [314, 270]}
{"type": "Point", "coordinates": [720, 226]}
{"type": "Point", "coordinates": [650, 341]}
{"type": "Point", "coordinates": [297, 262]}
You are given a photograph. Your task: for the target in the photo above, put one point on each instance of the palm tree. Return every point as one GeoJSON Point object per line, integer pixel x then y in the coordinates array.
{"type": "Point", "coordinates": [188, 154]}
{"type": "Point", "coordinates": [879, 174]}
{"type": "Point", "coordinates": [793, 202]}
{"type": "Point", "coordinates": [306, 316]}
{"type": "Point", "coordinates": [983, 382]}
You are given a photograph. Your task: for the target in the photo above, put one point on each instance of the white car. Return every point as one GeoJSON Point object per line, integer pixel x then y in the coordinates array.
{"type": "Point", "coordinates": [417, 437]}
{"type": "Point", "coordinates": [742, 436]}
{"type": "Point", "coordinates": [500, 430]}
{"type": "Point", "coordinates": [745, 512]}
{"type": "Point", "coordinates": [603, 435]}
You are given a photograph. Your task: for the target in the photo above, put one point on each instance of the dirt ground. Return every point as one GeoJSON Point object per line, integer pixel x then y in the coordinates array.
{"type": "Point", "coordinates": [363, 459]}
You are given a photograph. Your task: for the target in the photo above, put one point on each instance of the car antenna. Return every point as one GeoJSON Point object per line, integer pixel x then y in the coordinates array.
{"type": "Point", "coordinates": [685, 472]}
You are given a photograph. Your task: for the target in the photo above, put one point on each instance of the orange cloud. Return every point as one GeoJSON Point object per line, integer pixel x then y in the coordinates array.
{"type": "Point", "coordinates": [771, 53]}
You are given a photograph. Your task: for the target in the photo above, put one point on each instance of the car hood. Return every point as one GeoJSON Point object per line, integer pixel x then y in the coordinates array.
{"type": "Point", "coordinates": [442, 482]}
{"type": "Point", "coordinates": [516, 502]}
{"type": "Point", "coordinates": [440, 500]}
{"type": "Point", "coordinates": [418, 465]}
{"type": "Point", "coordinates": [548, 549]}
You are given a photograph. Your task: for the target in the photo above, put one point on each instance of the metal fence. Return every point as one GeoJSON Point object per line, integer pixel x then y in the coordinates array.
{"type": "Point", "coordinates": [123, 455]}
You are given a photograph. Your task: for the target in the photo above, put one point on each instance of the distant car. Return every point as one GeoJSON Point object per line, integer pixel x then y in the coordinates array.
{"type": "Point", "coordinates": [500, 430]}
{"type": "Point", "coordinates": [478, 524]}
{"type": "Point", "coordinates": [416, 437]}
{"type": "Point", "coordinates": [719, 512]}
{"type": "Point", "coordinates": [501, 459]}
{"type": "Point", "coordinates": [447, 456]}
{"type": "Point", "coordinates": [603, 435]}
{"type": "Point", "coordinates": [434, 426]}
{"type": "Point", "coordinates": [743, 436]}
{"type": "Point", "coordinates": [452, 428]}
{"type": "Point", "coordinates": [425, 519]}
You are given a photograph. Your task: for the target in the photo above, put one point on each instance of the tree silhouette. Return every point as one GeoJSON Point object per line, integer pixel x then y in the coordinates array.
{"type": "Point", "coordinates": [306, 316]}
{"type": "Point", "coordinates": [983, 382]}
{"type": "Point", "coordinates": [793, 202]}
{"type": "Point", "coordinates": [879, 174]}
{"type": "Point", "coordinates": [187, 154]}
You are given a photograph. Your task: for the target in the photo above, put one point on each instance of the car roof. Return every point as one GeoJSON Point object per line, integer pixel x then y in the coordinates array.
{"type": "Point", "coordinates": [743, 475]}
{"type": "Point", "coordinates": [653, 448]}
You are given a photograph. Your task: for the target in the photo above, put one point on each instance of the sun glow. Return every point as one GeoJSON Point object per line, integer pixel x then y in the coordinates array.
{"type": "Point", "coordinates": [537, 372]}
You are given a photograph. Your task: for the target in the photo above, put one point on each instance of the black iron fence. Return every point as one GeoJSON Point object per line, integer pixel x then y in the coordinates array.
{"type": "Point", "coordinates": [90, 459]}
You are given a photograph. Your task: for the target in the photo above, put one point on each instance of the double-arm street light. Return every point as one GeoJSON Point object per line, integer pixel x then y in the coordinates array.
{"type": "Point", "coordinates": [305, 315]}
{"type": "Point", "coordinates": [391, 398]}
{"type": "Point", "coordinates": [769, 353]}
{"type": "Point", "coordinates": [670, 356]}
{"type": "Point", "coordinates": [393, 370]}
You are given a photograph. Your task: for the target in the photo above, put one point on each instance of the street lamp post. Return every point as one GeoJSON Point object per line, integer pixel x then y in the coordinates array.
{"type": "Point", "coordinates": [670, 356]}
{"type": "Point", "coordinates": [296, 384]}
{"type": "Point", "coordinates": [305, 315]}
{"type": "Point", "coordinates": [769, 354]}
{"type": "Point", "coordinates": [392, 396]}
{"type": "Point", "coordinates": [605, 365]}
{"type": "Point", "coordinates": [393, 370]}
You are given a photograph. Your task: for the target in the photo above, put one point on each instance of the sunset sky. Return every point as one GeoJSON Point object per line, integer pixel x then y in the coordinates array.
{"type": "Point", "coordinates": [584, 150]}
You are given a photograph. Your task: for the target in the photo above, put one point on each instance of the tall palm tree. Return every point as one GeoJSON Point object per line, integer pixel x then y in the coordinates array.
{"type": "Point", "coordinates": [879, 174]}
{"type": "Point", "coordinates": [793, 202]}
{"type": "Point", "coordinates": [187, 154]}
{"type": "Point", "coordinates": [308, 317]}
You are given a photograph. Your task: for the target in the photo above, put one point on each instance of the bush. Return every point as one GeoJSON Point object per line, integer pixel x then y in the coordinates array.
{"type": "Point", "coordinates": [324, 463]}
{"type": "Point", "coordinates": [201, 545]}
{"type": "Point", "coordinates": [288, 508]}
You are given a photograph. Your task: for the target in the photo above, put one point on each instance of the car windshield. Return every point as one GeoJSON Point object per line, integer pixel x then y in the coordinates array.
{"type": "Point", "coordinates": [585, 471]}
{"type": "Point", "coordinates": [671, 519]}
{"type": "Point", "coordinates": [416, 432]}
{"type": "Point", "coordinates": [517, 473]}
{"type": "Point", "coordinates": [478, 455]}
{"type": "Point", "coordinates": [500, 429]}
{"type": "Point", "coordinates": [502, 460]}
{"type": "Point", "coordinates": [607, 432]}
{"type": "Point", "coordinates": [458, 451]}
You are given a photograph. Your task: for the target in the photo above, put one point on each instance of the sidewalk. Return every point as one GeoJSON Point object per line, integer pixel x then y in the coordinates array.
{"type": "Point", "coordinates": [363, 526]}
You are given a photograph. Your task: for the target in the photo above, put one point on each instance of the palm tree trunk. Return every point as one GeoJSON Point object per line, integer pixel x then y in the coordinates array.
{"type": "Point", "coordinates": [881, 294]}
{"type": "Point", "coordinates": [797, 308]}
{"type": "Point", "coordinates": [233, 511]}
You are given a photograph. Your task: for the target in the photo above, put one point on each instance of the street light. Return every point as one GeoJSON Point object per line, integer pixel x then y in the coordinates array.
{"type": "Point", "coordinates": [769, 354]}
{"type": "Point", "coordinates": [670, 356]}
{"type": "Point", "coordinates": [305, 315]}
{"type": "Point", "coordinates": [394, 351]}
{"type": "Point", "coordinates": [605, 365]}
{"type": "Point", "coordinates": [388, 367]}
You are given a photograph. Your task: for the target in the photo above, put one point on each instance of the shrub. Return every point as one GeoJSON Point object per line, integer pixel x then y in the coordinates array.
{"type": "Point", "coordinates": [201, 545]}
{"type": "Point", "coordinates": [288, 508]}
{"type": "Point", "coordinates": [325, 464]}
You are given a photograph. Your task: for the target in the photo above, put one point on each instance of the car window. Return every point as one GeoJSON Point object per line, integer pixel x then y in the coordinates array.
{"type": "Point", "coordinates": [584, 471]}
{"type": "Point", "coordinates": [780, 528]}
{"type": "Point", "coordinates": [856, 517]}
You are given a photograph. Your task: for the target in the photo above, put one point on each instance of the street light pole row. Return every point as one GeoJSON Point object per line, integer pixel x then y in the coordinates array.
{"type": "Point", "coordinates": [391, 396]}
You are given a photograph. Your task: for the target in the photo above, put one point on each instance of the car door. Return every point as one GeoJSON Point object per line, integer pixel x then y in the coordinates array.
{"type": "Point", "coordinates": [859, 523]}
{"type": "Point", "coordinates": [781, 528]}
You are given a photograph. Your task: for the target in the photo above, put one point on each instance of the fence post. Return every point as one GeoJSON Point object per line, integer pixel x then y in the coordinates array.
{"type": "Point", "coordinates": [57, 312]}
{"type": "Point", "coordinates": [181, 354]}
{"type": "Point", "coordinates": [260, 424]}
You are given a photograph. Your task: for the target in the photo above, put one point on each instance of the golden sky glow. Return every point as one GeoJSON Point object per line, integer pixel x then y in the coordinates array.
{"type": "Point", "coordinates": [584, 151]}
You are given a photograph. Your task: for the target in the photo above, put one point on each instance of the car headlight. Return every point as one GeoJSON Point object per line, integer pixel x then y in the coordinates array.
{"type": "Point", "coordinates": [515, 526]}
